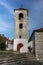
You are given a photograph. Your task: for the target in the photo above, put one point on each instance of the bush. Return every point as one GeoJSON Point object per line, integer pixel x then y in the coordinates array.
{"type": "Point", "coordinates": [2, 46]}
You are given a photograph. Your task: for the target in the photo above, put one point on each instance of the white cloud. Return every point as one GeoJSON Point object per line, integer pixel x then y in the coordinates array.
{"type": "Point", "coordinates": [7, 6]}
{"type": "Point", "coordinates": [38, 5]}
{"type": "Point", "coordinates": [4, 26]}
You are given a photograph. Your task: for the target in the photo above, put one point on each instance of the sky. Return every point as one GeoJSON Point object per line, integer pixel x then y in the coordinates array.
{"type": "Point", "coordinates": [35, 15]}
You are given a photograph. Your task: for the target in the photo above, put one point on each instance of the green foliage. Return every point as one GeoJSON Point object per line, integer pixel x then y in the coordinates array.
{"type": "Point", "coordinates": [2, 42]}
{"type": "Point", "coordinates": [1, 38]}
{"type": "Point", "coordinates": [2, 46]}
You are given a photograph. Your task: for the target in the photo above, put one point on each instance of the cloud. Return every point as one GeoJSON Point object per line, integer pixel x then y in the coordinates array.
{"type": "Point", "coordinates": [39, 4]}
{"type": "Point", "coordinates": [36, 14]}
{"type": "Point", "coordinates": [7, 6]}
{"type": "Point", "coordinates": [4, 26]}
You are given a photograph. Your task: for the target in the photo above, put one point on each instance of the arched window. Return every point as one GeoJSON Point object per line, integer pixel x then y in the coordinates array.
{"type": "Point", "coordinates": [20, 25]}
{"type": "Point", "coordinates": [20, 16]}
{"type": "Point", "coordinates": [20, 36]}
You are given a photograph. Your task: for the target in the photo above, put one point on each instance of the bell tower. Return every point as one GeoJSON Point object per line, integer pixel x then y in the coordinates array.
{"type": "Point", "coordinates": [20, 29]}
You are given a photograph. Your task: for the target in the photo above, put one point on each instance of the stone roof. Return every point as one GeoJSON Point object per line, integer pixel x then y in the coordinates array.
{"type": "Point", "coordinates": [38, 30]}
{"type": "Point", "coordinates": [21, 9]}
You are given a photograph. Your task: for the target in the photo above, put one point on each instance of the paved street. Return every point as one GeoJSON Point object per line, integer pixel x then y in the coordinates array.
{"type": "Point", "coordinates": [18, 59]}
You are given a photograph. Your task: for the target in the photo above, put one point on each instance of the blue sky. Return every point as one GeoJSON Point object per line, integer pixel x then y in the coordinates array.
{"type": "Point", "coordinates": [35, 15]}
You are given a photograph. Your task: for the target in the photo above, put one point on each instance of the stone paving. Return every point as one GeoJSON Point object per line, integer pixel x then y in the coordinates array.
{"type": "Point", "coordinates": [18, 59]}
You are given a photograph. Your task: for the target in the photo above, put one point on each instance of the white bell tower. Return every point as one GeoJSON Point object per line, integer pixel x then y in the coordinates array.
{"type": "Point", "coordinates": [20, 30]}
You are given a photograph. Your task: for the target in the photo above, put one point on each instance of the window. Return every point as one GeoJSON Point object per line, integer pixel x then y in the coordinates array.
{"type": "Point", "coordinates": [21, 26]}
{"type": "Point", "coordinates": [20, 16]}
{"type": "Point", "coordinates": [20, 36]}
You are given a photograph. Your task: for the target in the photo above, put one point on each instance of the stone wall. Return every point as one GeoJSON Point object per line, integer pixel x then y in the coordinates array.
{"type": "Point", "coordinates": [37, 42]}
{"type": "Point", "coordinates": [39, 45]}
{"type": "Point", "coordinates": [23, 32]}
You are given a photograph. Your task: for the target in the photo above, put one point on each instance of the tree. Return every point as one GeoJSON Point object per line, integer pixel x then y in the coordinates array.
{"type": "Point", "coordinates": [1, 38]}
{"type": "Point", "coordinates": [2, 46]}
{"type": "Point", "coordinates": [2, 43]}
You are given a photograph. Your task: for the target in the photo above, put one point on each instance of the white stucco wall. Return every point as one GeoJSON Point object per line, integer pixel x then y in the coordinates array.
{"type": "Point", "coordinates": [10, 46]}
{"type": "Point", "coordinates": [30, 44]}
{"type": "Point", "coordinates": [24, 42]}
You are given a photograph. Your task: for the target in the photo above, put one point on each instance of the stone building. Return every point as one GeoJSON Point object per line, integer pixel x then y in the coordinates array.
{"type": "Point", "coordinates": [37, 43]}
{"type": "Point", "coordinates": [21, 43]}
{"type": "Point", "coordinates": [21, 32]}
{"type": "Point", "coordinates": [6, 41]}
{"type": "Point", "coordinates": [9, 44]}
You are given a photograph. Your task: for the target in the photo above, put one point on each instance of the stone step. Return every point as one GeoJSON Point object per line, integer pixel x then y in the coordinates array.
{"type": "Point", "coordinates": [22, 63]}
{"type": "Point", "coordinates": [10, 58]}
{"type": "Point", "coordinates": [16, 59]}
{"type": "Point", "coordinates": [1, 59]}
{"type": "Point", "coordinates": [31, 63]}
{"type": "Point", "coordinates": [16, 62]}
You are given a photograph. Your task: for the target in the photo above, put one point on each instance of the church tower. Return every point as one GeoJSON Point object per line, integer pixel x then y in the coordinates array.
{"type": "Point", "coordinates": [20, 30]}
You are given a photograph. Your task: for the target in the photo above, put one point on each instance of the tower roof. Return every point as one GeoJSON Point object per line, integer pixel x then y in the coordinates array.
{"type": "Point", "coordinates": [21, 9]}
{"type": "Point", "coordinates": [38, 30]}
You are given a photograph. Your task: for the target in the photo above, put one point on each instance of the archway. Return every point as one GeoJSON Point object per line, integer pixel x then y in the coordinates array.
{"type": "Point", "coordinates": [19, 46]}
{"type": "Point", "coordinates": [20, 16]}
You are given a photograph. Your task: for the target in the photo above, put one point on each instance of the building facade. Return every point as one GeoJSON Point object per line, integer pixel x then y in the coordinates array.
{"type": "Point", "coordinates": [37, 43]}
{"type": "Point", "coordinates": [20, 29]}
